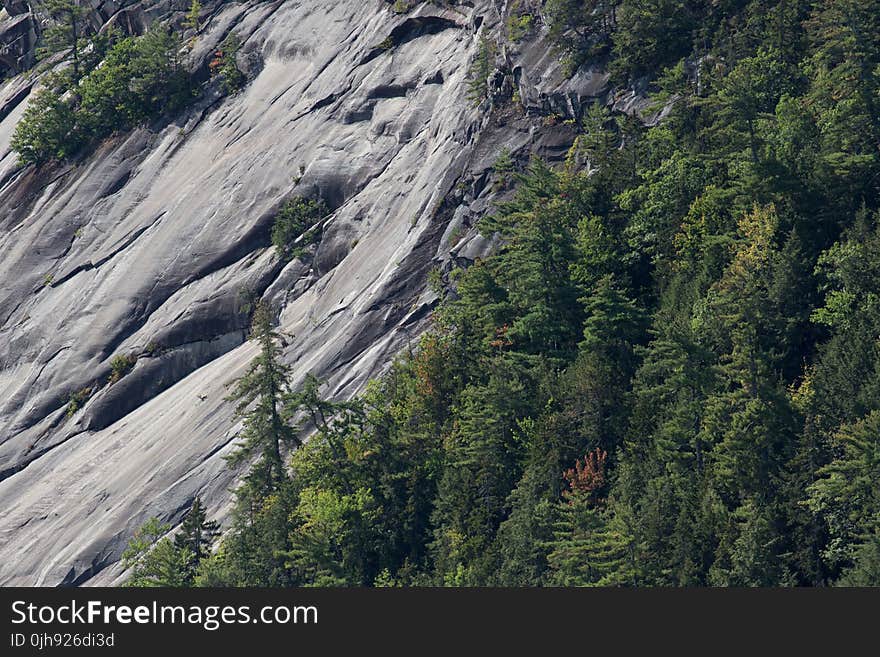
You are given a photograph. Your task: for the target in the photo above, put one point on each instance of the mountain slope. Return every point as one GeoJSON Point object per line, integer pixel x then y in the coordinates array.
{"type": "Point", "coordinates": [155, 246]}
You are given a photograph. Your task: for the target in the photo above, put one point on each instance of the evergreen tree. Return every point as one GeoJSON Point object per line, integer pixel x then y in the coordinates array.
{"type": "Point", "coordinates": [481, 69]}
{"type": "Point", "coordinates": [260, 396]}
{"type": "Point", "coordinates": [591, 547]}
{"type": "Point", "coordinates": [193, 16]}
{"type": "Point", "coordinates": [195, 536]}
{"type": "Point", "coordinates": [866, 564]}
{"type": "Point", "coordinates": [690, 303]}
{"type": "Point", "coordinates": [580, 26]}
{"type": "Point", "coordinates": [47, 129]}
{"type": "Point", "coordinates": [651, 33]}
{"type": "Point", "coordinates": [749, 554]}
{"type": "Point", "coordinates": [253, 552]}
{"type": "Point", "coordinates": [67, 33]}
{"type": "Point", "coordinates": [479, 472]}
{"type": "Point", "coordinates": [845, 71]}
{"type": "Point", "coordinates": [154, 560]}
{"type": "Point", "coordinates": [847, 498]}
{"type": "Point", "coordinates": [525, 537]}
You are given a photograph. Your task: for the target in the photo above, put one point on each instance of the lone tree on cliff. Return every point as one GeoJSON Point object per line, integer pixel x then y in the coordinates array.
{"type": "Point", "coordinates": [260, 394]}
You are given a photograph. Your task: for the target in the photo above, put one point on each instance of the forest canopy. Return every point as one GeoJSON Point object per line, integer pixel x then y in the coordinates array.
{"type": "Point", "coordinates": [668, 375]}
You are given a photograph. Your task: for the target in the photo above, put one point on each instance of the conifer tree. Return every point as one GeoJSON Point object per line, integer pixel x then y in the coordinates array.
{"type": "Point", "coordinates": [192, 16]}
{"type": "Point", "coordinates": [67, 33]}
{"type": "Point", "coordinates": [482, 67]}
{"type": "Point", "coordinates": [691, 302]}
{"type": "Point", "coordinates": [525, 537]}
{"type": "Point", "coordinates": [479, 473]}
{"type": "Point", "coordinates": [847, 498]}
{"type": "Point", "coordinates": [533, 269]}
{"type": "Point", "coordinates": [845, 72]}
{"type": "Point", "coordinates": [580, 26]}
{"type": "Point", "coordinates": [154, 560]}
{"type": "Point", "coordinates": [253, 553]}
{"type": "Point", "coordinates": [260, 396]}
{"type": "Point", "coordinates": [750, 551]}
{"type": "Point", "coordinates": [196, 535]}
{"type": "Point", "coordinates": [591, 546]}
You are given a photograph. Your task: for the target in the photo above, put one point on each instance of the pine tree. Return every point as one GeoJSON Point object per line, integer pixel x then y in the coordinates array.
{"type": "Point", "coordinates": [47, 130]}
{"type": "Point", "coordinates": [750, 552]}
{"type": "Point", "coordinates": [751, 420]}
{"type": "Point", "coordinates": [481, 69]}
{"type": "Point", "coordinates": [845, 72]}
{"type": "Point", "coordinates": [156, 561]}
{"type": "Point", "coordinates": [865, 570]}
{"type": "Point", "coordinates": [196, 535]}
{"type": "Point", "coordinates": [192, 17]}
{"type": "Point", "coordinates": [67, 33]}
{"type": "Point", "coordinates": [331, 420]}
{"type": "Point", "coordinates": [595, 146]}
{"type": "Point", "coordinates": [670, 390]}
{"type": "Point", "coordinates": [614, 326]}
{"type": "Point", "coordinates": [749, 93]}
{"type": "Point", "coordinates": [480, 470]}
{"type": "Point", "coordinates": [533, 268]}
{"type": "Point", "coordinates": [524, 538]}
{"type": "Point", "coordinates": [847, 497]}
{"type": "Point", "coordinates": [327, 537]}
{"type": "Point", "coordinates": [253, 552]}
{"type": "Point", "coordinates": [592, 546]}
{"type": "Point", "coordinates": [651, 33]}
{"type": "Point", "coordinates": [579, 27]}
{"type": "Point", "coordinates": [260, 396]}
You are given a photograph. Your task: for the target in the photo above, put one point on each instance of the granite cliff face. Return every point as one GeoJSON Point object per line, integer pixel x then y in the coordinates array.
{"type": "Point", "coordinates": [154, 247]}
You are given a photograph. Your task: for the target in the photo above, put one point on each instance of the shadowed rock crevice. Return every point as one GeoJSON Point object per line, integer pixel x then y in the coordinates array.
{"type": "Point", "coordinates": [408, 30]}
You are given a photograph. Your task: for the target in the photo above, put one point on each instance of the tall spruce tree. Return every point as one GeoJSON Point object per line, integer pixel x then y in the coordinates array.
{"type": "Point", "coordinates": [196, 535]}
{"type": "Point", "coordinates": [67, 33]}
{"type": "Point", "coordinates": [591, 547]}
{"type": "Point", "coordinates": [260, 396]}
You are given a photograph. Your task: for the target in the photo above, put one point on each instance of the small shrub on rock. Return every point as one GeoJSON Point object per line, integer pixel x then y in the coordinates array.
{"type": "Point", "coordinates": [297, 218]}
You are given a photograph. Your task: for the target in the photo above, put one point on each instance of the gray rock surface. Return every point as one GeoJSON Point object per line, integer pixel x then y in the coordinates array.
{"type": "Point", "coordinates": [18, 37]}
{"type": "Point", "coordinates": [155, 246]}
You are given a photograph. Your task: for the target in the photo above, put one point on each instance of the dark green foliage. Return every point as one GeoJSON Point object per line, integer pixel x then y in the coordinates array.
{"type": "Point", "coordinates": [138, 78]}
{"type": "Point", "coordinates": [260, 397]}
{"type": "Point", "coordinates": [865, 570]}
{"type": "Point", "coordinates": [68, 32]}
{"type": "Point", "coordinates": [251, 554]}
{"type": "Point", "coordinates": [295, 229]}
{"type": "Point", "coordinates": [503, 167]}
{"type": "Point", "coordinates": [47, 129]}
{"type": "Point", "coordinates": [665, 375]}
{"type": "Point", "coordinates": [481, 68]}
{"type": "Point", "coordinates": [195, 537]}
{"type": "Point", "coordinates": [652, 33]}
{"type": "Point", "coordinates": [847, 497]}
{"type": "Point", "coordinates": [581, 28]}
